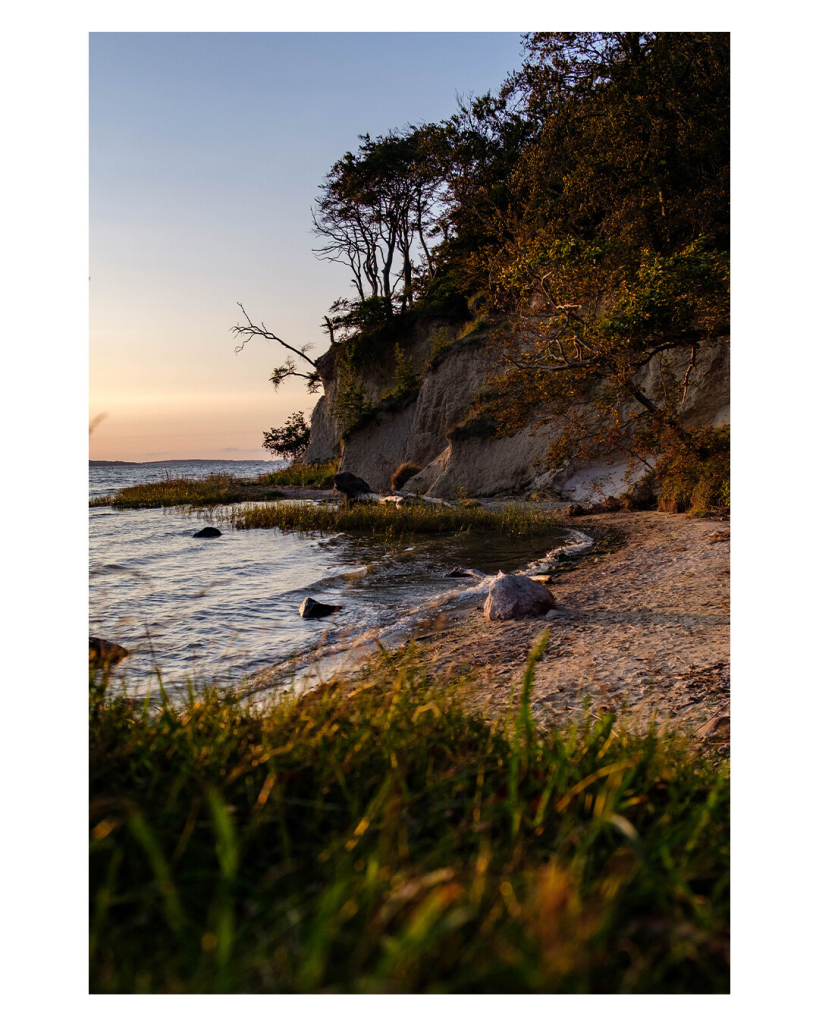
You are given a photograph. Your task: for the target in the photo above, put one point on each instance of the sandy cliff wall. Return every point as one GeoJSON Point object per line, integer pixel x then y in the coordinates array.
{"type": "Point", "coordinates": [435, 428]}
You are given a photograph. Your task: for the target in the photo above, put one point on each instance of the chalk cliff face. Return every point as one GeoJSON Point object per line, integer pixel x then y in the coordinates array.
{"type": "Point", "coordinates": [435, 427]}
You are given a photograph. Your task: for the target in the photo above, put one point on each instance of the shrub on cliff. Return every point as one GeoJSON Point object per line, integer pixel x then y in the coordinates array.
{"type": "Point", "coordinates": [406, 471]}
{"type": "Point", "coordinates": [694, 477]}
{"type": "Point", "coordinates": [289, 441]}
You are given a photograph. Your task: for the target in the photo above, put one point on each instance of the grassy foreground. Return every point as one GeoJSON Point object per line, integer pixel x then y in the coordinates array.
{"type": "Point", "coordinates": [412, 517]}
{"type": "Point", "coordinates": [385, 840]}
{"type": "Point", "coordinates": [216, 489]}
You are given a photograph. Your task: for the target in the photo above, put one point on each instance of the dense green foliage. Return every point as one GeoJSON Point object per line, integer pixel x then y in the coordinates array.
{"type": "Point", "coordinates": [584, 211]}
{"type": "Point", "coordinates": [384, 839]}
{"type": "Point", "coordinates": [581, 214]}
{"type": "Point", "coordinates": [374, 215]}
{"type": "Point", "coordinates": [695, 477]}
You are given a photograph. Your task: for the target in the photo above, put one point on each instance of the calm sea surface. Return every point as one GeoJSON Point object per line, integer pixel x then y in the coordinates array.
{"type": "Point", "coordinates": [222, 609]}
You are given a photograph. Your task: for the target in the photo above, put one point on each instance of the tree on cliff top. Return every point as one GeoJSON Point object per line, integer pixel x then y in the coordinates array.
{"type": "Point", "coordinates": [374, 215]}
{"type": "Point", "coordinates": [584, 207]}
{"type": "Point", "coordinates": [605, 245]}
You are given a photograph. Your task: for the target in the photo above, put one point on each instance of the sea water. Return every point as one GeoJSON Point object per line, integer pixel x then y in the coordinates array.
{"type": "Point", "coordinates": [194, 610]}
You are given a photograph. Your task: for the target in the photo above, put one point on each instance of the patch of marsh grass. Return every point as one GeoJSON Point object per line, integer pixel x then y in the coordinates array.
{"type": "Point", "coordinates": [379, 837]}
{"type": "Point", "coordinates": [216, 489]}
{"type": "Point", "coordinates": [317, 475]}
{"type": "Point", "coordinates": [393, 520]}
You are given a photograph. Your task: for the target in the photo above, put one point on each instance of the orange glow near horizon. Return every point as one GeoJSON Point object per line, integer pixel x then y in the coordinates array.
{"type": "Point", "coordinates": [196, 425]}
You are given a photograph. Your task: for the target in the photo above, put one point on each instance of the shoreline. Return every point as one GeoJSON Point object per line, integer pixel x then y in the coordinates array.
{"type": "Point", "coordinates": [641, 630]}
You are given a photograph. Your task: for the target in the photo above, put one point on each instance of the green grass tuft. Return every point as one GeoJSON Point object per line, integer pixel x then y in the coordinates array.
{"type": "Point", "coordinates": [393, 520]}
{"type": "Point", "coordinates": [218, 488]}
{"type": "Point", "coordinates": [318, 475]}
{"type": "Point", "coordinates": [381, 838]}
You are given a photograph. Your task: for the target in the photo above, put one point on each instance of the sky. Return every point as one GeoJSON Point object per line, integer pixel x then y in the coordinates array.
{"type": "Point", "coordinates": [206, 152]}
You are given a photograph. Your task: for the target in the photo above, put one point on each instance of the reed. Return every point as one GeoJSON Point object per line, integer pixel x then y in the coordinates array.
{"type": "Point", "coordinates": [318, 475]}
{"type": "Point", "coordinates": [392, 520]}
{"type": "Point", "coordinates": [216, 489]}
{"type": "Point", "coordinates": [380, 837]}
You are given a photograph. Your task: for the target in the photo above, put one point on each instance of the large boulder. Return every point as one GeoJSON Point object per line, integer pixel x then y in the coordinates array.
{"type": "Point", "coordinates": [311, 609]}
{"type": "Point", "coordinates": [351, 486]}
{"type": "Point", "coordinates": [517, 597]}
{"type": "Point", "coordinates": [640, 496]}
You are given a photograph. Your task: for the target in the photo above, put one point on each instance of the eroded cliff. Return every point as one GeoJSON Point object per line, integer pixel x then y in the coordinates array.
{"type": "Point", "coordinates": [434, 425]}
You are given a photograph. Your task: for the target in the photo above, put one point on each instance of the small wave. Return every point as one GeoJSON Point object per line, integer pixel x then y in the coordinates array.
{"type": "Point", "coordinates": [338, 579]}
{"type": "Point", "coordinates": [577, 544]}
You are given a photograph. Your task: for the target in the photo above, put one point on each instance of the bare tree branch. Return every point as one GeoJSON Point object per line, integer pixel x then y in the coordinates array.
{"type": "Point", "coordinates": [691, 365]}
{"type": "Point", "coordinates": [250, 330]}
{"type": "Point", "coordinates": [288, 367]}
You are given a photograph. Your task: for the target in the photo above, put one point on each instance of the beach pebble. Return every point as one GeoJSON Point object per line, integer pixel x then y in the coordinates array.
{"type": "Point", "coordinates": [517, 597]}
{"type": "Point", "coordinates": [311, 609]}
{"type": "Point", "coordinates": [209, 531]}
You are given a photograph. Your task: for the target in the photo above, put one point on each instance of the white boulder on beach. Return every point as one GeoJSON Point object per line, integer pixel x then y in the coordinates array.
{"type": "Point", "coordinates": [516, 596]}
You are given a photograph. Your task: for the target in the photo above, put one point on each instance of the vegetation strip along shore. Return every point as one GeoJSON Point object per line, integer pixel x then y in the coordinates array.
{"type": "Point", "coordinates": [411, 517]}
{"type": "Point", "coordinates": [512, 521]}
{"type": "Point", "coordinates": [217, 488]}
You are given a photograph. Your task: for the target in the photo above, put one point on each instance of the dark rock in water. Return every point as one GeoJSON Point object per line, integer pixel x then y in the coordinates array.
{"type": "Point", "coordinates": [351, 486]}
{"type": "Point", "coordinates": [311, 609]}
{"type": "Point", "coordinates": [458, 573]}
{"type": "Point", "coordinates": [209, 531]}
{"type": "Point", "coordinates": [517, 597]}
{"type": "Point", "coordinates": [104, 652]}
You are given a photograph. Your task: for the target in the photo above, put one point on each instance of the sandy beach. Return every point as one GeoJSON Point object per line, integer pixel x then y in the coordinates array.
{"type": "Point", "coordinates": [642, 631]}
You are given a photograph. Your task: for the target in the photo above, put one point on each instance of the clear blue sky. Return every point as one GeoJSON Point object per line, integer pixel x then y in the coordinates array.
{"type": "Point", "coordinates": [206, 151]}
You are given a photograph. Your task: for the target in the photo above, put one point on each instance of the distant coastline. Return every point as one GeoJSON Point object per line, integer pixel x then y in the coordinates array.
{"type": "Point", "coordinates": [165, 462]}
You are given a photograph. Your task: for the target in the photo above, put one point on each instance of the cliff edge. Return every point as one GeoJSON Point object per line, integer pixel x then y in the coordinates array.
{"type": "Point", "coordinates": [433, 425]}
